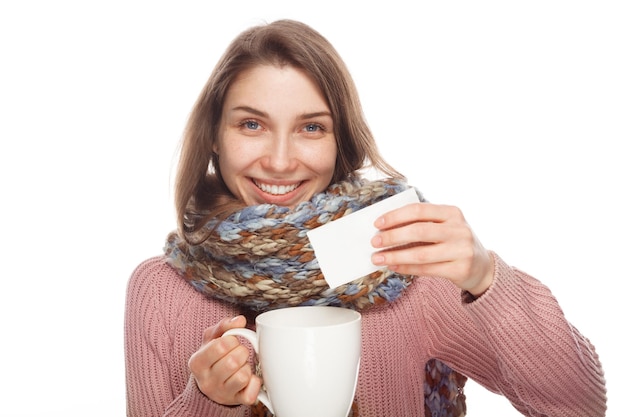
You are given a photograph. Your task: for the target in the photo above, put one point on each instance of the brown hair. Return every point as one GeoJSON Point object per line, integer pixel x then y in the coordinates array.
{"type": "Point", "coordinates": [199, 186]}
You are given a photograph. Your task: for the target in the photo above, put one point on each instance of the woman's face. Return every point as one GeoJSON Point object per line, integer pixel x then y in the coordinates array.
{"type": "Point", "coordinates": [276, 142]}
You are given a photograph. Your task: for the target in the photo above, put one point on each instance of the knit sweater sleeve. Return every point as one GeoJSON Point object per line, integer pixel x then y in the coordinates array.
{"type": "Point", "coordinates": [157, 381]}
{"type": "Point", "coordinates": [515, 340]}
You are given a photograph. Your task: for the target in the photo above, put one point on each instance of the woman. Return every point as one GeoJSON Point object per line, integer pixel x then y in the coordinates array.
{"type": "Point", "coordinates": [277, 145]}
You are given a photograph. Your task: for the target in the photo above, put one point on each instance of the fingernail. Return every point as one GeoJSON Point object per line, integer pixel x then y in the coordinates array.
{"type": "Point", "coordinates": [235, 318]}
{"type": "Point", "coordinates": [378, 259]}
{"type": "Point", "coordinates": [377, 241]}
{"type": "Point", "coordinates": [380, 222]}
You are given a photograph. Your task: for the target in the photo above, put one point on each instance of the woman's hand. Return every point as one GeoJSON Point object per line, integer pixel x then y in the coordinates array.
{"type": "Point", "coordinates": [221, 369]}
{"type": "Point", "coordinates": [433, 240]}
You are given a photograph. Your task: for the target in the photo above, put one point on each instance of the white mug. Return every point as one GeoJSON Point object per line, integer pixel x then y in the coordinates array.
{"type": "Point", "coordinates": [309, 359]}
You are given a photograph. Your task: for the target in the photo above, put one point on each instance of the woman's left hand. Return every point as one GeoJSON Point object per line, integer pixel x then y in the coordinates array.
{"type": "Point", "coordinates": [433, 240]}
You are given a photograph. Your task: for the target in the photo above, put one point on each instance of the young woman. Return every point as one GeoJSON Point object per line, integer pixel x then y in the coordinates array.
{"type": "Point", "coordinates": [277, 145]}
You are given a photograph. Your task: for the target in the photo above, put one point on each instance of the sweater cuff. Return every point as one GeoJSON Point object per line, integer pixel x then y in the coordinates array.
{"type": "Point", "coordinates": [467, 297]}
{"type": "Point", "coordinates": [498, 293]}
{"type": "Point", "coordinates": [193, 402]}
{"type": "Point", "coordinates": [504, 296]}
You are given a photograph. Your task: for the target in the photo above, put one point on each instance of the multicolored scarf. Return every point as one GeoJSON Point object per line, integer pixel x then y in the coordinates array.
{"type": "Point", "coordinates": [261, 259]}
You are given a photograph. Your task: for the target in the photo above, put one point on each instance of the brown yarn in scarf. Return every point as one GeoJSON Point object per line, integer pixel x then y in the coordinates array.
{"type": "Point", "coordinates": [260, 259]}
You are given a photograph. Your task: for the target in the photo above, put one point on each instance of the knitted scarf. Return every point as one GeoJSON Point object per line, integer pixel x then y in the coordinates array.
{"type": "Point", "coordinates": [261, 259]}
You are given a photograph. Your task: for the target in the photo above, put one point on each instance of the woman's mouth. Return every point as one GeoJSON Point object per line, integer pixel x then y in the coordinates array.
{"type": "Point", "coordinates": [276, 189]}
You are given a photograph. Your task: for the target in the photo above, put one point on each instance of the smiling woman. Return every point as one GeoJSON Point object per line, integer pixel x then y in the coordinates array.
{"type": "Point", "coordinates": [277, 145]}
{"type": "Point", "coordinates": [275, 125]}
{"type": "Point", "coordinates": [512, 111]}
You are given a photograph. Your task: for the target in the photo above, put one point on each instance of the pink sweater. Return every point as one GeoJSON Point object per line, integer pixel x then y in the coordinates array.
{"type": "Point", "coordinates": [513, 340]}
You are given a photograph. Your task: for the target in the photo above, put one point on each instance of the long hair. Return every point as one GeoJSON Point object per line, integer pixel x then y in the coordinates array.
{"type": "Point", "coordinates": [199, 187]}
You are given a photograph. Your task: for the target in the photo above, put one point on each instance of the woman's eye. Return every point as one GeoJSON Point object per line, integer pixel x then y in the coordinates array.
{"type": "Point", "coordinates": [313, 127]}
{"type": "Point", "coordinates": [250, 124]}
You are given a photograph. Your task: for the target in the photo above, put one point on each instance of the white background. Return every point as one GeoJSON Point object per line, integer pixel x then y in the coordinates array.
{"type": "Point", "coordinates": [514, 111]}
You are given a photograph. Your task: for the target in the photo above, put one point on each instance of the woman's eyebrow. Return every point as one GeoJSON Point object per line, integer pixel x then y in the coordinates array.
{"type": "Point", "coordinates": [250, 110]}
{"type": "Point", "coordinates": [315, 114]}
{"type": "Point", "coordinates": [260, 113]}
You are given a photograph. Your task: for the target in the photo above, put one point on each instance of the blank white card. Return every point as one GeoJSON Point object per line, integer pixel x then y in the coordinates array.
{"type": "Point", "coordinates": [343, 247]}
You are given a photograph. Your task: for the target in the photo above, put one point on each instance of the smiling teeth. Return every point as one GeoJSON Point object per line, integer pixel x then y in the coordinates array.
{"type": "Point", "coordinates": [277, 189]}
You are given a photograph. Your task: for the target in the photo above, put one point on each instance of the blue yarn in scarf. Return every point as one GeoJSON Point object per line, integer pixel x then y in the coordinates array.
{"type": "Point", "coordinates": [260, 256]}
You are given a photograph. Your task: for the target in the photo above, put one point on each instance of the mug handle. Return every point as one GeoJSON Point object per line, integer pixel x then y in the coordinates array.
{"type": "Point", "coordinates": [251, 336]}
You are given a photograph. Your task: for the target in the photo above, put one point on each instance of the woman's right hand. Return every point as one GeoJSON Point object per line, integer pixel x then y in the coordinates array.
{"type": "Point", "coordinates": [221, 368]}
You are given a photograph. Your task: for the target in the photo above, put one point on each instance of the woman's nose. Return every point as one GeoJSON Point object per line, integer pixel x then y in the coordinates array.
{"type": "Point", "coordinates": [280, 155]}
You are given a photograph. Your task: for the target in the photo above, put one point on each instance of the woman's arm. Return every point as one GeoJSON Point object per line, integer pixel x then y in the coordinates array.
{"type": "Point", "coordinates": [515, 340]}
{"type": "Point", "coordinates": [512, 334]}
{"type": "Point", "coordinates": [157, 335]}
